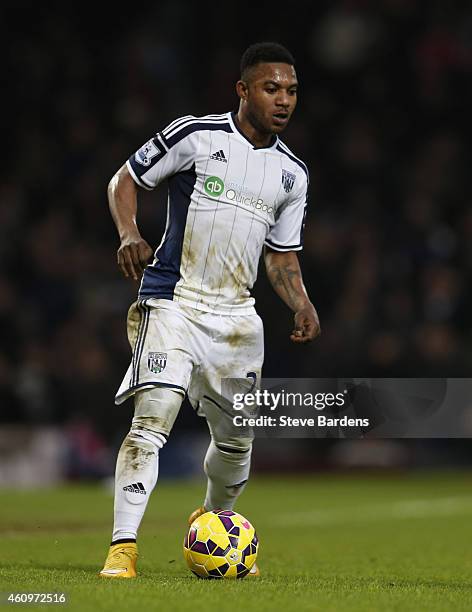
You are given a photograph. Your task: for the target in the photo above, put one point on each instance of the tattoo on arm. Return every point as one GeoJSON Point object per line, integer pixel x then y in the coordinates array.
{"type": "Point", "coordinates": [287, 282]}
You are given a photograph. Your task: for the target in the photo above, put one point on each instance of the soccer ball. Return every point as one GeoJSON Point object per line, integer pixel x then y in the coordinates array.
{"type": "Point", "coordinates": [221, 544]}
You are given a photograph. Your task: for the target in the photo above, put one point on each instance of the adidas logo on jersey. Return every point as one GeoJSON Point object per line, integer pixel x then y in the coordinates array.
{"type": "Point", "coordinates": [219, 156]}
{"type": "Point", "coordinates": [137, 487]}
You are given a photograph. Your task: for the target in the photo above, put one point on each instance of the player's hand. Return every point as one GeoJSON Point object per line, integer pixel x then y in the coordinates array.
{"type": "Point", "coordinates": [133, 255]}
{"type": "Point", "coordinates": [307, 325]}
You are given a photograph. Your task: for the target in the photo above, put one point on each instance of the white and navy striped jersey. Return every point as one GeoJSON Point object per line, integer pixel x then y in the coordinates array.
{"type": "Point", "coordinates": [226, 200]}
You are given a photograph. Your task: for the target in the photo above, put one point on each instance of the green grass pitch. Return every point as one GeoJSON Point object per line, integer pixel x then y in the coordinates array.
{"type": "Point", "coordinates": [341, 543]}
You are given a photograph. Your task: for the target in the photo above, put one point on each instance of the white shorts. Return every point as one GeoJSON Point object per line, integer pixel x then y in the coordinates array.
{"type": "Point", "coordinates": [191, 351]}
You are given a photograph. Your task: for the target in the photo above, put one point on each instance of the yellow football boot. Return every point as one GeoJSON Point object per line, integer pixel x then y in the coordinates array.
{"type": "Point", "coordinates": [121, 561]}
{"type": "Point", "coordinates": [254, 571]}
{"type": "Point", "coordinates": [196, 513]}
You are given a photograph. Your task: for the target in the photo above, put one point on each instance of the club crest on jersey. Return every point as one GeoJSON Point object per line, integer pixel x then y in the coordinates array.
{"type": "Point", "coordinates": [146, 153]}
{"type": "Point", "coordinates": [157, 362]}
{"type": "Point", "coordinates": [288, 179]}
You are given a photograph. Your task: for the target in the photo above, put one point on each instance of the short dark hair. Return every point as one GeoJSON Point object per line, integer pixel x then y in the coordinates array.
{"type": "Point", "coordinates": [265, 52]}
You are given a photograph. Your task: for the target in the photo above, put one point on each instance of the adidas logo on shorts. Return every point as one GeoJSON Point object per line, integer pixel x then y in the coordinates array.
{"type": "Point", "coordinates": [137, 487]}
{"type": "Point", "coordinates": [219, 156]}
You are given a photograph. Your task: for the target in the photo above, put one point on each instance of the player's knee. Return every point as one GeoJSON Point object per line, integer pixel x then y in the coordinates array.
{"type": "Point", "coordinates": [144, 434]}
{"type": "Point", "coordinates": [234, 446]}
{"type": "Point", "coordinates": [225, 460]}
{"type": "Point", "coordinates": [232, 453]}
{"type": "Point", "coordinates": [156, 409]}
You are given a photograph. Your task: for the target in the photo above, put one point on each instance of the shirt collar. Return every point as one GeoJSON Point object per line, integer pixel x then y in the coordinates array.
{"type": "Point", "coordinates": [237, 130]}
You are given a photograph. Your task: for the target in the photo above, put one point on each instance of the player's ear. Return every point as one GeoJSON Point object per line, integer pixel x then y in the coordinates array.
{"type": "Point", "coordinates": [242, 90]}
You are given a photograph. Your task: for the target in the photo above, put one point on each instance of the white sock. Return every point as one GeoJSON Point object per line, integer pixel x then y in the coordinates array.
{"type": "Point", "coordinates": [136, 473]}
{"type": "Point", "coordinates": [137, 465]}
{"type": "Point", "coordinates": [227, 472]}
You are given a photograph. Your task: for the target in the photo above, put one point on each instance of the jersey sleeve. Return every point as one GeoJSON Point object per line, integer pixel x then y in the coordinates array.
{"type": "Point", "coordinates": [161, 157]}
{"type": "Point", "coordinates": [287, 233]}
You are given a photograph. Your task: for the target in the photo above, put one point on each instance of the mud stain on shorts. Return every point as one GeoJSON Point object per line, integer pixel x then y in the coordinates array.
{"type": "Point", "coordinates": [236, 339]}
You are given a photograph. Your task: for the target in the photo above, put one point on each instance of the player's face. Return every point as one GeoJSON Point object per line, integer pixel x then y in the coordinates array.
{"type": "Point", "coordinates": [271, 96]}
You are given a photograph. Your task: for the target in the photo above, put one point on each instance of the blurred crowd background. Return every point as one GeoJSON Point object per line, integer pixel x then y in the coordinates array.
{"type": "Point", "coordinates": [382, 123]}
